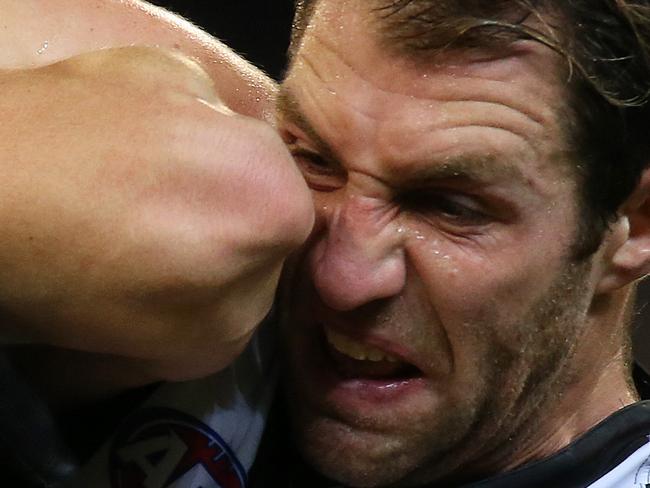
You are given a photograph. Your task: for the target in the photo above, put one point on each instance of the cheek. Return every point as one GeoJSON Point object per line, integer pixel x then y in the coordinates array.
{"type": "Point", "coordinates": [475, 292]}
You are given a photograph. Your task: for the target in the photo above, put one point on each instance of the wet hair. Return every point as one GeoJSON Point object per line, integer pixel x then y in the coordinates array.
{"type": "Point", "coordinates": [606, 46]}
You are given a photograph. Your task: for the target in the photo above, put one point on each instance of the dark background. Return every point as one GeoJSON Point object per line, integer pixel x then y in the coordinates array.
{"type": "Point", "coordinates": [259, 30]}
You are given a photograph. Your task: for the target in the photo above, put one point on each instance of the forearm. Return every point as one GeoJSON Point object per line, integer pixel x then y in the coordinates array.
{"type": "Point", "coordinates": [143, 220]}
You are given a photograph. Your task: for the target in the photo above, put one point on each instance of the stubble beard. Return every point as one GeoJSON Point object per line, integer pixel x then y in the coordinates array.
{"type": "Point", "coordinates": [479, 438]}
{"type": "Point", "coordinates": [503, 425]}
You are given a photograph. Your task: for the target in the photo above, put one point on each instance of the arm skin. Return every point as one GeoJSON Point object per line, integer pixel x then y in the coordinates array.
{"type": "Point", "coordinates": [42, 32]}
{"type": "Point", "coordinates": [145, 223]}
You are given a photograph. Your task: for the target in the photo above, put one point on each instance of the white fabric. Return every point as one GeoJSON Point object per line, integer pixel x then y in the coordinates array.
{"type": "Point", "coordinates": [634, 472]}
{"type": "Point", "coordinates": [233, 404]}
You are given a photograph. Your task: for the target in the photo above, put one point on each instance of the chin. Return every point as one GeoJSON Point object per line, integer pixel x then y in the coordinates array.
{"type": "Point", "coordinates": [353, 457]}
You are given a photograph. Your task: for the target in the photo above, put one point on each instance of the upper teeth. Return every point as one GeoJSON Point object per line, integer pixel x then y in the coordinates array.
{"type": "Point", "coordinates": [356, 350]}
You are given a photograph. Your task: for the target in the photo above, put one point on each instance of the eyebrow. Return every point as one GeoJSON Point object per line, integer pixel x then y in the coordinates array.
{"type": "Point", "coordinates": [483, 168]}
{"type": "Point", "coordinates": [463, 167]}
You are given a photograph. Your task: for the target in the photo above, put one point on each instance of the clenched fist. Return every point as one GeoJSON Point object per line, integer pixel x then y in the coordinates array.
{"type": "Point", "coordinates": [139, 216]}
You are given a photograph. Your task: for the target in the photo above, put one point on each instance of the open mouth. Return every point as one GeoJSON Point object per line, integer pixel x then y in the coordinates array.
{"type": "Point", "coordinates": [354, 359]}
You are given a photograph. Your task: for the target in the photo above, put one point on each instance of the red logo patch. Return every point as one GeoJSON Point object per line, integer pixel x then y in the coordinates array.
{"type": "Point", "coordinates": [164, 448]}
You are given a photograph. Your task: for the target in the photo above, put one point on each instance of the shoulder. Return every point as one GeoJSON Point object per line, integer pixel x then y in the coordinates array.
{"type": "Point", "coordinates": [44, 32]}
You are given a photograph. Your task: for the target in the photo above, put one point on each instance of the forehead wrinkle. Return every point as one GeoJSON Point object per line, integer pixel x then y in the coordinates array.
{"type": "Point", "coordinates": [349, 65]}
{"type": "Point", "coordinates": [288, 108]}
{"type": "Point", "coordinates": [484, 167]}
{"type": "Point", "coordinates": [322, 55]}
{"type": "Point", "coordinates": [357, 107]}
{"type": "Point", "coordinates": [495, 86]}
{"type": "Point", "coordinates": [432, 128]}
{"type": "Point", "coordinates": [517, 111]}
{"type": "Point", "coordinates": [480, 168]}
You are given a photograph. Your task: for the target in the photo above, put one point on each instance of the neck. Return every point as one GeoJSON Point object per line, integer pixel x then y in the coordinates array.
{"type": "Point", "coordinates": [598, 383]}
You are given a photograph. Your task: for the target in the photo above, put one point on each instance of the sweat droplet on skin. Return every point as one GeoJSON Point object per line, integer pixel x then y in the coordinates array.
{"type": "Point", "coordinates": [418, 235]}
{"type": "Point", "coordinates": [43, 47]}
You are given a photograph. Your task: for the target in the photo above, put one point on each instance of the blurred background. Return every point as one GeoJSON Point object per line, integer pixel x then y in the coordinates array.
{"type": "Point", "coordinates": [259, 31]}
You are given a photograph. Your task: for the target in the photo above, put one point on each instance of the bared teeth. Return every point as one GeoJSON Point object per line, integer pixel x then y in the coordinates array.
{"type": "Point", "coordinates": [355, 349]}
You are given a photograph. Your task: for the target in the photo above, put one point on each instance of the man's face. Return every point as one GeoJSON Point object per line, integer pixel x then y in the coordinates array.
{"type": "Point", "coordinates": [434, 309]}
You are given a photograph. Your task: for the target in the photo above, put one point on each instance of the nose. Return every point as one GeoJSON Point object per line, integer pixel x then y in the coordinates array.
{"type": "Point", "coordinates": [358, 257]}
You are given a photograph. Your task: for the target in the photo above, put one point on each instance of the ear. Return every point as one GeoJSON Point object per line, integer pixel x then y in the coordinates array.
{"type": "Point", "coordinates": [627, 248]}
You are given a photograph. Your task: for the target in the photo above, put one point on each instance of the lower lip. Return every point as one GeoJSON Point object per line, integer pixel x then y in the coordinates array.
{"type": "Point", "coordinates": [363, 390]}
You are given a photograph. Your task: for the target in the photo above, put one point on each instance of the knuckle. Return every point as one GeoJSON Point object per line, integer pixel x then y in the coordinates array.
{"type": "Point", "coordinates": [232, 183]}
{"type": "Point", "coordinates": [282, 205]}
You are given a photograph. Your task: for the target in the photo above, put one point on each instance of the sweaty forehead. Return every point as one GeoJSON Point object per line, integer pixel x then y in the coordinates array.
{"type": "Point", "coordinates": [357, 25]}
{"type": "Point", "coordinates": [354, 92]}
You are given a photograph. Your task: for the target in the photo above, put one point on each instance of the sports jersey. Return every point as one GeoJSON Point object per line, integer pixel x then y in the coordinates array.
{"type": "Point", "coordinates": [207, 433]}
{"type": "Point", "coordinates": [614, 454]}
{"type": "Point", "coordinates": [195, 434]}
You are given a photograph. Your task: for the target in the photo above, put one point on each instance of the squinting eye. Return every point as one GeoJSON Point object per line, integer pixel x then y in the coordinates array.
{"type": "Point", "coordinates": [456, 208]}
{"type": "Point", "coordinates": [452, 208]}
{"type": "Point", "coordinates": [320, 174]}
{"type": "Point", "coordinates": [311, 162]}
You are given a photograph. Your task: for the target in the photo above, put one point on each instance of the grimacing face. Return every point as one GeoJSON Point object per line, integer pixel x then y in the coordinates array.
{"type": "Point", "coordinates": [434, 310]}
